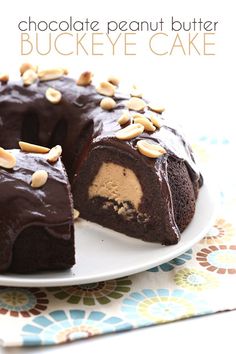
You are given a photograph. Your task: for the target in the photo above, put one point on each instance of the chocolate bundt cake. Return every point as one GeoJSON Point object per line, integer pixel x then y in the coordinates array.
{"type": "Point", "coordinates": [36, 222]}
{"type": "Point", "coordinates": [130, 169]}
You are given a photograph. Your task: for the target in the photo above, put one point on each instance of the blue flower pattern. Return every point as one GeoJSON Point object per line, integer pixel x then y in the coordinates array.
{"type": "Point", "coordinates": [162, 305]}
{"type": "Point", "coordinates": [166, 267]}
{"type": "Point", "coordinates": [61, 326]}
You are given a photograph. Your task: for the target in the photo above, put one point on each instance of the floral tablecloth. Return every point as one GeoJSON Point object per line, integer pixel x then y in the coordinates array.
{"type": "Point", "coordinates": [200, 281]}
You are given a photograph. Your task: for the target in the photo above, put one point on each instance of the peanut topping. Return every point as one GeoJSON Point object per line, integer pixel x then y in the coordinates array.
{"type": "Point", "coordinates": [53, 96]}
{"type": "Point", "coordinates": [129, 132]}
{"type": "Point", "coordinates": [113, 80]}
{"type": "Point", "coordinates": [50, 74]}
{"type": "Point", "coordinates": [85, 78]}
{"type": "Point", "coordinates": [54, 153]}
{"type": "Point", "coordinates": [29, 77]}
{"type": "Point", "coordinates": [26, 66]}
{"type": "Point", "coordinates": [136, 104]}
{"type": "Point", "coordinates": [7, 160]}
{"type": "Point", "coordinates": [148, 126]}
{"type": "Point", "coordinates": [4, 78]}
{"type": "Point", "coordinates": [106, 89]}
{"type": "Point", "coordinates": [39, 178]}
{"type": "Point", "coordinates": [124, 118]}
{"type": "Point", "coordinates": [135, 92]}
{"type": "Point", "coordinates": [107, 103]}
{"type": "Point", "coordinates": [76, 214]}
{"type": "Point", "coordinates": [149, 149]}
{"type": "Point", "coordinates": [27, 147]}
{"type": "Point", "coordinates": [155, 108]}
{"type": "Point", "coordinates": [155, 121]}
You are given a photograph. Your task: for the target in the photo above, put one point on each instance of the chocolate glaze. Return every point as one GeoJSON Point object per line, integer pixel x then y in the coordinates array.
{"type": "Point", "coordinates": [26, 114]}
{"type": "Point", "coordinates": [80, 125]}
{"type": "Point", "coordinates": [23, 206]}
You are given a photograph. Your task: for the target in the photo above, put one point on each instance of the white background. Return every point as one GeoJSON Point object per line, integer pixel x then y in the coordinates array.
{"type": "Point", "coordinates": [198, 91]}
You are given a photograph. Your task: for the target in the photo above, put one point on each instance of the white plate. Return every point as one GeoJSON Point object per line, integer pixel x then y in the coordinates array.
{"type": "Point", "coordinates": [103, 254]}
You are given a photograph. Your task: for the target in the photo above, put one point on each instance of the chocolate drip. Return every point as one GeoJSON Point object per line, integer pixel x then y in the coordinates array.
{"type": "Point", "coordinates": [23, 206]}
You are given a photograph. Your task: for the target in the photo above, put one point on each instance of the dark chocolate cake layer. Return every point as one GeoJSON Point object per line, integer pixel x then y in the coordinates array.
{"type": "Point", "coordinates": [35, 222]}
{"type": "Point", "coordinates": [154, 200]}
{"type": "Point", "coordinates": [161, 198]}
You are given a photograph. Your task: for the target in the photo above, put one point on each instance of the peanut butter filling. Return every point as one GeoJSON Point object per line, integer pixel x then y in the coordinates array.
{"type": "Point", "coordinates": [116, 183]}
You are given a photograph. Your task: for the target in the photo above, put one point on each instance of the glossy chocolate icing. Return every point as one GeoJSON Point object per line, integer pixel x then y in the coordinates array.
{"type": "Point", "coordinates": [25, 114]}
{"type": "Point", "coordinates": [80, 125]}
{"type": "Point", "coordinates": [177, 148]}
{"type": "Point", "coordinates": [23, 206]}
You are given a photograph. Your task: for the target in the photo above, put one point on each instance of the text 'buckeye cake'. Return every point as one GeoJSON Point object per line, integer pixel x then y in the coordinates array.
{"type": "Point", "coordinates": [129, 168]}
